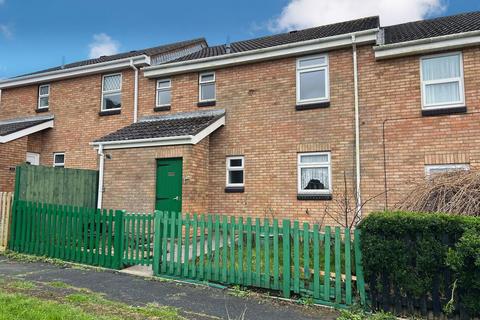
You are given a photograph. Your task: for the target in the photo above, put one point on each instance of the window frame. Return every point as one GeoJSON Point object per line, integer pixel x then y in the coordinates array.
{"type": "Point", "coordinates": [119, 91]}
{"type": "Point", "coordinates": [58, 165]}
{"type": "Point", "coordinates": [299, 70]}
{"type": "Point", "coordinates": [452, 166]}
{"type": "Point", "coordinates": [200, 83]}
{"type": "Point", "coordinates": [460, 80]}
{"type": "Point", "coordinates": [301, 166]}
{"type": "Point", "coordinates": [228, 168]}
{"type": "Point", "coordinates": [43, 96]}
{"type": "Point", "coordinates": [169, 88]}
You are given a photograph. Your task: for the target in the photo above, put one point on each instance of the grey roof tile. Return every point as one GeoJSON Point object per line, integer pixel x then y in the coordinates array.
{"type": "Point", "coordinates": [432, 27]}
{"type": "Point", "coordinates": [14, 125]}
{"type": "Point", "coordinates": [179, 124]}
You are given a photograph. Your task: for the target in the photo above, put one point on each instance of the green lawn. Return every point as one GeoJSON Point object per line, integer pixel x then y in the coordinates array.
{"type": "Point", "coordinates": [25, 300]}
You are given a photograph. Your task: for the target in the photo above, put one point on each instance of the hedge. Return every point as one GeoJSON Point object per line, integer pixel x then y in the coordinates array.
{"type": "Point", "coordinates": [416, 261]}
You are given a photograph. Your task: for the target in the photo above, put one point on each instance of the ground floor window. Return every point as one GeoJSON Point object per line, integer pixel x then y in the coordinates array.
{"type": "Point", "coordinates": [434, 169]}
{"type": "Point", "coordinates": [59, 159]}
{"type": "Point", "coordinates": [235, 171]}
{"type": "Point", "coordinates": [314, 173]}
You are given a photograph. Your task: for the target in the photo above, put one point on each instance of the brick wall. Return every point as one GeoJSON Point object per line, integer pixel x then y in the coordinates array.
{"type": "Point", "coordinates": [12, 153]}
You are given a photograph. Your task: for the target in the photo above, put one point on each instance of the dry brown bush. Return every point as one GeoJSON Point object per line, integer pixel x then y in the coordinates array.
{"type": "Point", "coordinates": [455, 192]}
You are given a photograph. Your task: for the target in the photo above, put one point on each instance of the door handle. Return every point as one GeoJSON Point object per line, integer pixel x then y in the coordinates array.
{"type": "Point", "coordinates": [176, 198]}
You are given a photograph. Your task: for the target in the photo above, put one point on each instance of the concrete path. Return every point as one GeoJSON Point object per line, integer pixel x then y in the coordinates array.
{"type": "Point", "coordinates": [194, 302]}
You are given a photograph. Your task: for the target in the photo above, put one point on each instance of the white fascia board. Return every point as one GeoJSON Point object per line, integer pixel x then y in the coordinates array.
{"type": "Point", "coordinates": [101, 67]}
{"type": "Point", "coordinates": [428, 45]}
{"type": "Point", "coordinates": [291, 49]}
{"type": "Point", "coordinates": [163, 141]}
{"type": "Point", "coordinates": [26, 132]}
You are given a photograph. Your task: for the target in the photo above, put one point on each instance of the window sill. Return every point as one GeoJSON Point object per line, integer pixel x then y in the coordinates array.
{"type": "Point", "coordinates": [41, 110]}
{"type": "Point", "coordinates": [207, 103]}
{"type": "Point", "coordinates": [109, 112]}
{"type": "Point", "coordinates": [314, 197]}
{"type": "Point", "coordinates": [317, 105]}
{"type": "Point", "coordinates": [443, 111]}
{"type": "Point", "coordinates": [162, 108]}
{"type": "Point", "coordinates": [234, 189]}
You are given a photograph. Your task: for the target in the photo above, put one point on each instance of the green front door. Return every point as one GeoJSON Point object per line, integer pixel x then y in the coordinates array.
{"type": "Point", "coordinates": [169, 185]}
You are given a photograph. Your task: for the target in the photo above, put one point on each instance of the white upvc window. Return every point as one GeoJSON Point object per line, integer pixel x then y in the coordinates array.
{"type": "Point", "coordinates": [434, 169]}
{"type": "Point", "coordinates": [164, 92]}
{"type": "Point", "coordinates": [112, 92]}
{"type": "Point", "coordinates": [312, 79]}
{"type": "Point", "coordinates": [206, 86]}
{"type": "Point", "coordinates": [59, 159]}
{"type": "Point", "coordinates": [314, 173]}
{"type": "Point", "coordinates": [43, 96]}
{"type": "Point", "coordinates": [235, 171]}
{"type": "Point", "coordinates": [442, 81]}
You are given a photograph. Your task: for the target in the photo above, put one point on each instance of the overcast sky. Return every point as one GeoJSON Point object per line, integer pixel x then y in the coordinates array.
{"type": "Point", "coordinates": [38, 34]}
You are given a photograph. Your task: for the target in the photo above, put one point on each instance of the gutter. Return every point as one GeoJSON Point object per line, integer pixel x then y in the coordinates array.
{"type": "Point", "coordinates": [135, 92]}
{"type": "Point", "coordinates": [113, 65]}
{"type": "Point", "coordinates": [357, 132]}
{"type": "Point", "coordinates": [290, 49]}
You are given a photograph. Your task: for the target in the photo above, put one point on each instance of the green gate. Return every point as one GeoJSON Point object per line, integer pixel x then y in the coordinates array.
{"type": "Point", "coordinates": [289, 258]}
{"type": "Point", "coordinates": [137, 239]}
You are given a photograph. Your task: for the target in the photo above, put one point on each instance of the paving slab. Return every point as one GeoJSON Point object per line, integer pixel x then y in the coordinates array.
{"type": "Point", "coordinates": [194, 301]}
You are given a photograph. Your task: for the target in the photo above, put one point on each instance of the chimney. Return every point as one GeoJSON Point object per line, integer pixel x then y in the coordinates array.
{"type": "Point", "coordinates": [228, 47]}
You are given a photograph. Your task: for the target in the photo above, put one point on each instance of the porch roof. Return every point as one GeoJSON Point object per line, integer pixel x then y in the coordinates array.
{"type": "Point", "coordinates": [178, 128]}
{"type": "Point", "coordinates": [12, 129]}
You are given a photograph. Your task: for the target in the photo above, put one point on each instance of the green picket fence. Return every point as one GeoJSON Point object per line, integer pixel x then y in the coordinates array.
{"type": "Point", "coordinates": [288, 258]}
{"type": "Point", "coordinates": [137, 239]}
{"type": "Point", "coordinates": [69, 233]}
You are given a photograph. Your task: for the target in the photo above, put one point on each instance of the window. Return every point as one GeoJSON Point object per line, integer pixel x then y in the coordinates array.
{"type": "Point", "coordinates": [442, 81]}
{"type": "Point", "coordinates": [43, 96]}
{"type": "Point", "coordinates": [434, 169]}
{"type": "Point", "coordinates": [207, 86]}
{"type": "Point", "coordinates": [112, 92]}
{"type": "Point", "coordinates": [314, 173]}
{"type": "Point", "coordinates": [235, 171]}
{"type": "Point", "coordinates": [164, 92]}
{"type": "Point", "coordinates": [59, 159]}
{"type": "Point", "coordinates": [312, 79]}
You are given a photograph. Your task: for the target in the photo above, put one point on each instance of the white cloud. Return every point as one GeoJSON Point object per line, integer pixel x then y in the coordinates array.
{"type": "Point", "coordinates": [300, 14]}
{"type": "Point", "coordinates": [102, 45]}
{"type": "Point", "coordinates": [6, 31]}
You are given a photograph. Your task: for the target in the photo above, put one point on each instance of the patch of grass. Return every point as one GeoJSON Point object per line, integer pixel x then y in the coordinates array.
{"type": "Point", "coordinates": [22, 285]}
{"type": "Point", "coordinates": [29, 258]}
{"type": "Point", "coordinates": [59, 284]}
{"type": "Point", "coordinates": [307, 301]}
{"type": "Point", "coordinates": [237, 291]}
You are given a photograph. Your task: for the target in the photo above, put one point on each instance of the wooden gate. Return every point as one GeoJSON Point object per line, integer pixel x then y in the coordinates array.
{"type": "Point", "coordinates": [137, 239]}
{"type": "Point", "coordinates": [289, 258]}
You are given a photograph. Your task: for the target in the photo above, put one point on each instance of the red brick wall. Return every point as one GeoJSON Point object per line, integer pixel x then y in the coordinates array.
{"type": "Point", "coordinates": [12, 153]}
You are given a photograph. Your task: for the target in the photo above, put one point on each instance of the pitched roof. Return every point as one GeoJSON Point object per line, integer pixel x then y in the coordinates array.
{"type": "Point", "coordinates": [148, 51]}
{"type": "Point", "coordinates": [286, 38]}
{"type": "Point", "coordinates": [432, 27]}
{"type": "Point", "coordinates": [13, 125]}
{"type": "Point", "coordinates": [179, 124]}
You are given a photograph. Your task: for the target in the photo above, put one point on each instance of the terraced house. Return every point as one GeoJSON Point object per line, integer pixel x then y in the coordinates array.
{"type": "Point", "coordinates": [278, 126]}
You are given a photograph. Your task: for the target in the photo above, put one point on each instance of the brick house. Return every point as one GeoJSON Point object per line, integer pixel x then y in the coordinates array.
{"type": "Point", "coordinates": [267, 127]}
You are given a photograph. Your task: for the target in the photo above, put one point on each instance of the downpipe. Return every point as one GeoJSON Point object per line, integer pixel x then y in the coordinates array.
{"type": "Point", "coordinates": [100, 176]}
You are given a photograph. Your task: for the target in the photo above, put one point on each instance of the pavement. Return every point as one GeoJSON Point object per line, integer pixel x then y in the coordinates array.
{"type": "Point", "coordinates": [193, 301]}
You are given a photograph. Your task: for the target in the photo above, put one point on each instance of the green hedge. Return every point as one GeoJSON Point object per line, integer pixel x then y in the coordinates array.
{"type": "Point", "coordinates": [421, 256]}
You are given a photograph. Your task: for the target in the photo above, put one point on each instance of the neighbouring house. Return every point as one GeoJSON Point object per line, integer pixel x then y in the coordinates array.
{"type": "Point", "coordinates": [269, 127]}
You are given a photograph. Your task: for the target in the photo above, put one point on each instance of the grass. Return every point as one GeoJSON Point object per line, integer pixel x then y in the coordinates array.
{"type": "Point", "coordinates": [26, 300]}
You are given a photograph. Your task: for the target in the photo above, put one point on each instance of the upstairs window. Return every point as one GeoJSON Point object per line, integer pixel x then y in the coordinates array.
{"type": "Point", "coordinates": [442, 81]}
{"type": "Point", "coordinates": [206, 86]}
{"type": "Point", "coordinates": [164, 92]}
{"type": "Point", "coordinates": [435, 169]}
{"type": "Point", "coordinates": [112, 92]}
{"type": "Point", "coordinates": [314, 173]}
{"type": "Point", "coordinates": [312, 79]}
{"type": "Point", "coordinates": [59, 159]}
{"type": "Point", "coordinates": [235, 171]}
{"type": "Point", "coordinates": [43, 96]}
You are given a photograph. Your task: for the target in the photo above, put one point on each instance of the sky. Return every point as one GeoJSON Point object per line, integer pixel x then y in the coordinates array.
{"type": "Point", "coordinates": [35, 35]}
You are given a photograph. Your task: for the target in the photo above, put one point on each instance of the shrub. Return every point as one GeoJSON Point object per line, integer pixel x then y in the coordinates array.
{"type": "Point", "coordinates": [409, 253]}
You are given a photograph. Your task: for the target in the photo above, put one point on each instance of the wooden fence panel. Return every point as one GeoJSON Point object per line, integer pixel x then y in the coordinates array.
{"type": "Point", "coordinates": [137, 243]}
{"type": "Point", "coordinates": [6, 201]}
{"type": "Point", "coordinates": [75, 187]}
{"type": "Point", "coordinates": [286, 258]}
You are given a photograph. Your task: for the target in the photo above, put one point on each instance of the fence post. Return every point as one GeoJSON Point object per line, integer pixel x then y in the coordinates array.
{"type": "Point", "coordinates": [157, 226]}
{"type": "Point", "coordinates": [358, 267]}
{"type": "Point", "coordinates": [118, 245]}
{"type": "Point", "coordinates": [286, 257]}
